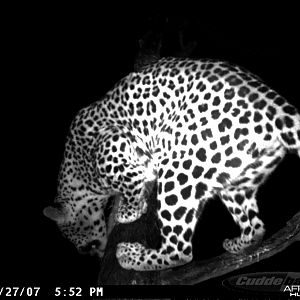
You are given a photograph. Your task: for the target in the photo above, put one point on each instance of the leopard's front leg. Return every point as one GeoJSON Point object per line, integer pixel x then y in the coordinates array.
{"type": "Point", "coordinates": [127, 173]}
{"type": "Point", "coordinates": [178, 202]}
{"type": "Point", "coordinates": [132, 208]}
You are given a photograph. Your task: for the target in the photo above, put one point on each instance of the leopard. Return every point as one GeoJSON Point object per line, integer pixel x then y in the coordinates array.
{"type": "Point", "coordinates": [199, 129]}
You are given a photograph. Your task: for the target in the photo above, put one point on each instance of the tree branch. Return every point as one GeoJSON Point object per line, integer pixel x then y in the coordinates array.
{"type": "Point", "coordinates": [197, 272]}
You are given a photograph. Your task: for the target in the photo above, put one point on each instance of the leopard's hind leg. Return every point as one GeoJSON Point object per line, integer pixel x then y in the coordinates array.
{"type": "Point", "coordinates": [241, 203]}
{"type": "Point", "coordinates": [240, 199]}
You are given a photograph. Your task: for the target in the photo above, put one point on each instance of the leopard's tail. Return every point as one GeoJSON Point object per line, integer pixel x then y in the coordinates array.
{"type": "Point", "coordinates": [289, 128]}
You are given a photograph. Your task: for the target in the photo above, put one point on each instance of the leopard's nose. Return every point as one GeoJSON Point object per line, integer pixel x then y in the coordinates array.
{"type": "Point", "coordinates": [90, 247]}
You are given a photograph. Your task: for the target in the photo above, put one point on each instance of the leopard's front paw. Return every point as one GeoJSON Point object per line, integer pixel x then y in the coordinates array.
{"type": "Point", "coordinates": [143, 206]}
{"type": "Point", "coordinates": [128, 213]}
{"type": "Point", "coordinates": [128, 255]}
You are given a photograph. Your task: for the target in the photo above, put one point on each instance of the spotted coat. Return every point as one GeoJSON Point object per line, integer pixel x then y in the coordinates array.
{"type": "Point", "coordinates": [199, 128]}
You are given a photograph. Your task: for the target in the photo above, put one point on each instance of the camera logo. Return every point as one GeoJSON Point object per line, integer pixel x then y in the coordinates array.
{"type": "Point", "coordinates": [266, 282]}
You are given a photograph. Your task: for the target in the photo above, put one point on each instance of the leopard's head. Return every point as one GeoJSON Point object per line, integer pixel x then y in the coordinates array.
{"type": "Point", "coordinates": [84, 226]}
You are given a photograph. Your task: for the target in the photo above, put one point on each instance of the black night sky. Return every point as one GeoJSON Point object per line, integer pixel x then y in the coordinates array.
{"type": "Point", "coordinates": [61, 62]}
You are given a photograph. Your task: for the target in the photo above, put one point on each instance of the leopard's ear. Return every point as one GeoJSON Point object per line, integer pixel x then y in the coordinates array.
{"type": "Point", "coordinates": [54, 214]}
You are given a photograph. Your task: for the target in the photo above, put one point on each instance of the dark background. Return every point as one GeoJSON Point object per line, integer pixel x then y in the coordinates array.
{"type": "Point", "coordinates": [62, 61]}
